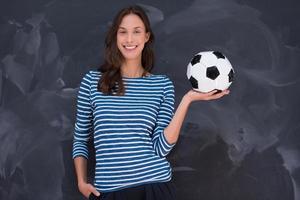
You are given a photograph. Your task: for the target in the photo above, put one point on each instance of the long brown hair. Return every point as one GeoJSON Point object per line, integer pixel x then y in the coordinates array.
{"type": "Point", "coordinates": [111, 79]}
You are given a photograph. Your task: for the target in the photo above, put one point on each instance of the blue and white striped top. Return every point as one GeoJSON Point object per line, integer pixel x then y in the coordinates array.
{"type": "Point", "coordinates": [130, 146]}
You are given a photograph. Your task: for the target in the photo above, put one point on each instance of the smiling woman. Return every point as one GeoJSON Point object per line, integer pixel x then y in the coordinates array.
{"type": "Point", "coordinates": [130, 114]}
{"type": "Point", "coordinates": [130, 145]}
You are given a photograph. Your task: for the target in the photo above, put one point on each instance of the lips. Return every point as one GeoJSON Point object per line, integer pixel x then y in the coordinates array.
{"type": "Point", "coordinates": [130, 48]}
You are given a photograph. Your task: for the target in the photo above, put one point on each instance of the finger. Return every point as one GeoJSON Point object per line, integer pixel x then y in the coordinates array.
{"type": "Point", "coordinates": [88, 195]}
{"type": "Point", "coordinates": [216, 96]}
{"type": "Point", "coordinates": [212, 92]}
{"type": "Point", "coordinates": [95, 191]}
{"type": "Point", "coordinates": [226, 91]}
{"type": "Point", "coordinates": [221, 93]}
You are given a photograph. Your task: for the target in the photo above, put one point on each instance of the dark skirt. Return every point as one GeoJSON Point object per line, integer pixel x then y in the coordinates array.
{"type": "Point", "coordinates": [152, 191]}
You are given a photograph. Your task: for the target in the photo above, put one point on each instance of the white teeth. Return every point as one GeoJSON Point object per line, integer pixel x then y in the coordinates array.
{"type": "Point", "coordinates": [130, 47]}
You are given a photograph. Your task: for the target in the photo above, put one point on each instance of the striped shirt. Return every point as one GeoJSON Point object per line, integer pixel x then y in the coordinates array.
{"type": "Point", "coordinates": [128, 131]}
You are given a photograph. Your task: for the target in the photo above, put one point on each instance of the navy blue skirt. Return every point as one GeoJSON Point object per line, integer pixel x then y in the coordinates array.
{"type": "Point", "coordinates": [152, 191]}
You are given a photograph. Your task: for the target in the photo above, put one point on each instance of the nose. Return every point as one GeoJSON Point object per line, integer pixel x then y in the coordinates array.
{"type": "Point", "coordinates": [129, 37]}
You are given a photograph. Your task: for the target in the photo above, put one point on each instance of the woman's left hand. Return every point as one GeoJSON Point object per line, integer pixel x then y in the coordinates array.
{"type": "Point", "coordinates": [193, 95]}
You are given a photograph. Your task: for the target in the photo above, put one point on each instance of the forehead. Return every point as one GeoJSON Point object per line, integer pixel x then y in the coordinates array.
{"type": "Point", "coordinates": [131, 21]}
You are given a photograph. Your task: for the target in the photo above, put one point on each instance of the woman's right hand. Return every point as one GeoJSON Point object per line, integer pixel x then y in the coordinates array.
{"type": "Point", "coordinates": [86, 189]}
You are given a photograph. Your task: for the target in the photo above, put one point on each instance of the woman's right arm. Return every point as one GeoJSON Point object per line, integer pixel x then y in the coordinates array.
{"type": "Point", "coordinates": [82, 133]}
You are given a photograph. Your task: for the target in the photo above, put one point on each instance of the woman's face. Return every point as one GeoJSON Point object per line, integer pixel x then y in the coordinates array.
{"type": "Point", "coordinates": [131, 37]}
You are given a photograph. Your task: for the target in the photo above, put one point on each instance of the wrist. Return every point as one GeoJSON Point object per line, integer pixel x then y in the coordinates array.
{"type": "Point", "coordinates": [187, 99]}
{"type": "Point", "coordinates": [81, 182]}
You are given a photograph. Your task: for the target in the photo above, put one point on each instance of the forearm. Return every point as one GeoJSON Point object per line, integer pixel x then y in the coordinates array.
{"type": "Point", "coordinates": [81, 169]}
{"type": "Point", "coordinates": [172, 131]}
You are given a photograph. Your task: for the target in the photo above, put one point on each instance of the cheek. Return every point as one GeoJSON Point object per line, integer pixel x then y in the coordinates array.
{"type": "Point", "coordinates": [142, 45]}
{"type": "Point", "coordinates": [120, 38]}
{"type": "Point", "coordinates": [119, 42]}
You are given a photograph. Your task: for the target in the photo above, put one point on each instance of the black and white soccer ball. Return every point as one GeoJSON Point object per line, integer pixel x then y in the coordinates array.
{"type": "Point", "coordinates": [210, 70]}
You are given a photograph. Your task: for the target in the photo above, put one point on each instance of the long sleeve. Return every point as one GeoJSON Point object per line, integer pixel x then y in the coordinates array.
{"type": "Point", "coordinates": [83, 124]}
{"type": "Point", "coordinates": [165, 115]}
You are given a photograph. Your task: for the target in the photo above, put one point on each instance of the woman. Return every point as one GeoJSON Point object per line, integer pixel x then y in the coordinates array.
{"type": "Point", "coordinates": [129, 113]}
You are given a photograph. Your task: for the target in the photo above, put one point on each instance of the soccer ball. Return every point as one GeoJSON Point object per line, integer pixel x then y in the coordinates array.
{"type": "Point", "coordinates": [210, 70]}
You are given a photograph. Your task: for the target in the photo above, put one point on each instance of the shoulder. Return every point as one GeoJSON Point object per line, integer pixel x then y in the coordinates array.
{"type": "Point", "coordinates": [162, 77]}
{"type": "Point", "coordinates": [91, 75]}
{"type": "Point", "coordinates": [94, 73]}
{"type": "Point", "coordinates": [167, 81]}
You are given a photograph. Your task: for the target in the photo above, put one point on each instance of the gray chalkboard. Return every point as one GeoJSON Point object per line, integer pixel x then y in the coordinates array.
{"type": "Point", "coordinates": [245, 146]}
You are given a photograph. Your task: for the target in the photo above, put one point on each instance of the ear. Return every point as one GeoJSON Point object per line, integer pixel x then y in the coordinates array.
{"type": "Point", "coordinates": [147, 36]}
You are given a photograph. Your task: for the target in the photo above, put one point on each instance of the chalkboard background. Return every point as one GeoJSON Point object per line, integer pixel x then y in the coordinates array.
{"type": "Point", "coordinates": [245, 146]}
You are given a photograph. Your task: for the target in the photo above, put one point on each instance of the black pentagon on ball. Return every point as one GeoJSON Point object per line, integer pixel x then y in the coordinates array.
{"type": "Point", "coordinates": [196, 59]}
{"type": "Point", "coordinates": [194, 82]}
{"type": "Point", "coordinates": [212, 72]}
{"type": "Point", "coordinates": [231, 75]}
{"type": "Point", "coordinates": [219, 54]}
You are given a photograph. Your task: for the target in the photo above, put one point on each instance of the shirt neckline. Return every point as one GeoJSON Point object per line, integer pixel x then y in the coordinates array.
{"type": "Point", "coordinates": [135, 78]}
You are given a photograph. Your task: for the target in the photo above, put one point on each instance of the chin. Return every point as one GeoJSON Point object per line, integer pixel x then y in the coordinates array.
{"type": "Point", "coordinates": [127, 57]}
{"type": "Point", "coordinates": [131, 56]}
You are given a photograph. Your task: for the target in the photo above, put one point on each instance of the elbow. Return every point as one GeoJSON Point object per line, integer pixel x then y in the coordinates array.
{"type": "Point", "coordinates": [80, 148]}
{"type": "Point", "coordinates": [171, 141]}
{"type": "Point", "coordinates": [162, 150]}
{"type": "Point", "coordinates": [161, 153]}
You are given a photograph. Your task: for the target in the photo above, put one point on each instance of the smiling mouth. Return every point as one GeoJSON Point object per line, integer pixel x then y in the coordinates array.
{"type": "Point", "coordinates": [130, 47]}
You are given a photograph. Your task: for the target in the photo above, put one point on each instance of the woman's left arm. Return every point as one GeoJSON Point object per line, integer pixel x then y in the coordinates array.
{"type": "Point", "coordinates": [173, 129]}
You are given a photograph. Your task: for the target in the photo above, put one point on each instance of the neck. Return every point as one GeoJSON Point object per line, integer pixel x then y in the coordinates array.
{"type": "Point", "coordinates": [132, 69]}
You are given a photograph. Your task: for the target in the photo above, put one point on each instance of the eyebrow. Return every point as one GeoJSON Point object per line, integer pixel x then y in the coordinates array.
{"type": "Point", "coordinates": [134, 27]}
